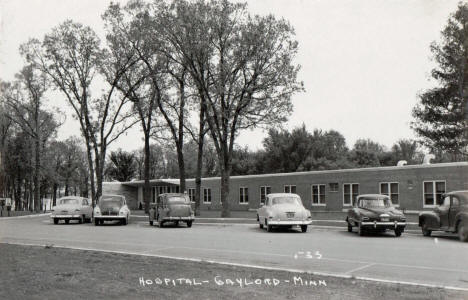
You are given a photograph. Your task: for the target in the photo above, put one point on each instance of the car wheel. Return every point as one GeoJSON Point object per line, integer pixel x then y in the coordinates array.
{"type": "Point", "coordinates": [176, 223]}
{"type": "Point", "coordinates": [101, 222]}
{"type": "Point", "coordinates": [124, 221]}
{"type": "Point", "coordinates": [189, 224]}
{"type": "Point", "coordinates": [56, 221]}
{"type": "Point", "coordinates": [425, 229]}
{"type": "Point", "coordinates": [350, 227]}
{"type": "Point", "coordinates": [463, 231]}
{"type": "Point", "coordinates": [161, 224]}
{"type": "Point", "coordinates": [96, 222]}
{"type": "Point", "coordinates": [81, 220]}
{"type": "Point", "coordinates": [151, 223]}
{"type": "Point", "coordinates": [360, 229]}
{"type": "Point", "coordinates": [269, 227]}
{"type": "Point", "coordinates": [398, 232]}
{"type": "Point", "coordinates": [261, 225]}
{"type": "Point", "coordinates": [67, 221]}
{"type": "Point", "coordinates": [304, 228]}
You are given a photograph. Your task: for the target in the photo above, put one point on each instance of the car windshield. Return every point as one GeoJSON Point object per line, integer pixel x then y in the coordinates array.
{"type": "Point", "coordinates": [69, 201]}
{"type": "Point", "coordinates": [178, 200]}
{"type": "Point", "coordinates": [374, 202]}
{"type": "Point", "coordinates": [286, 200]}
{"type": "Point", "coordinates": [111, 200]}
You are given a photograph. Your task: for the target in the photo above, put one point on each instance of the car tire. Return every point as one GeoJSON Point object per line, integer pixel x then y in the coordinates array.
{"type": "Point", "coordinates": [350, 227]}
{"type": "Point", "coordinates": [56, 221]}
{"type": "Point", "coordinates": [269, 227]}
{"type": "Point", "coordinates": [425, 229]}
{"type": "Point", "coordinates": [304, 228]}
{"type": "Point", "coordinates": [161, 224]}
{"type": "Point", "coordinates": [360, 229]}
{"type": "Point", "coordinates": [462, 229]}
{"type": "Point", "coordinates": [261, 225]}
{"type": "Point", "coordinates": [67, 221]}
{"type": "Point", "coordinates": [151, 223]}
{"type": "Point", "coordinates": [96, 222]}
{"type": "Point", "coordinates": [176, 223]}
{"type": "Point", "coordinates": [124, 221]}
{"type": "Point", "coordinates": [81, 220]}
{"type": "Point", "coordinates": [189, 224]}
{"type": "Point", "coordinates": [398, 232]}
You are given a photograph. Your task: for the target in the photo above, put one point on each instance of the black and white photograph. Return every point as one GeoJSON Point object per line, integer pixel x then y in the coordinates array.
{"type": "Point", "coordinates": [234, 149]}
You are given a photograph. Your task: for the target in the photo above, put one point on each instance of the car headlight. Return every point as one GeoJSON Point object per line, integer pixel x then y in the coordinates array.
{"type": "Point", "coordinates": [97, 211]}
{"type": "Point", "coordinates": [122, 212]}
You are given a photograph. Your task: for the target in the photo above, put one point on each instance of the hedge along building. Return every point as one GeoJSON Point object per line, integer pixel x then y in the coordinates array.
{"type": "Point", "coordinates": [411, 187]}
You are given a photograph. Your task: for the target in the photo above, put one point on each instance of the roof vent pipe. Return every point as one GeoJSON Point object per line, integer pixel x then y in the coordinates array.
{"type": "Point", "coordinates": [402, 163]}
{"type": "Point", "coordinates": [428, 158]}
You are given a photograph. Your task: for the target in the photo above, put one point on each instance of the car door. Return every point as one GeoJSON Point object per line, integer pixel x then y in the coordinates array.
{"type": "Point", "coordinates": [454, 209]}
{"type": "Point", "coordinates": [443, 211]}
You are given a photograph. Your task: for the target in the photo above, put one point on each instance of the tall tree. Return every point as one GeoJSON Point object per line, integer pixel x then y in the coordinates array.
{"type": "Point", "coordinates": [72, 57]}
{"type": "Point", "coordinates": [441, 117]}
{"type": "Point", "coordinates": [25, 99]}
{"type": "Point", "coordinates": [5, 129]}
{"type": "Point", "coordinates": [241, 66]}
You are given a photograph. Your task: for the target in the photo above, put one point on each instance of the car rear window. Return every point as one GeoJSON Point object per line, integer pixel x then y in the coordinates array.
{"type": "Point", "coordinates": [69, 201]}
{"type": "Point", "coordinates": [178, 200]}
{"type": "Point", "coordinates": [286, 200]}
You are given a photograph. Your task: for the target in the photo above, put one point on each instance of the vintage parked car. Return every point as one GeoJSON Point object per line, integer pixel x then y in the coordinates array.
{"type": "Point", "coordinates": [283, 210]}
{"type": "Point", "coordinates": [111, 208]}
{"type": "Point", "coordinates": [72, 208]}
{"type": "Point", "coordinates": [171, 207]}
{"type": "Point", "coordinates": [450, 216]}
{"type": "Point", "coordinates": [375, 212]}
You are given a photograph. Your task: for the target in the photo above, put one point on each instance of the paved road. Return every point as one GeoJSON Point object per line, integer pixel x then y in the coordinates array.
{"type": "Point", "coordinates": [411, 258]}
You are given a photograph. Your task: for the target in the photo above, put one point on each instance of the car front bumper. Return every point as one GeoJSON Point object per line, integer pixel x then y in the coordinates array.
{"type": "Point", "coordinates": [380, 224]}
{"type": "Point", "coordinates": [189, 218]}
{"type": "Point", "coordinates": [289, 222]}
{"type": "Point", "coordinates": [67, 217]}
{"type": "Point", "coordinates": [109, 218]}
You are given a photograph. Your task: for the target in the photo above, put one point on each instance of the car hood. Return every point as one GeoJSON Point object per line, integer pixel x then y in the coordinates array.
{"type": "Point", "coordinates": [109, 206]}
{"type": "Point", "coordinates": [391, 211]}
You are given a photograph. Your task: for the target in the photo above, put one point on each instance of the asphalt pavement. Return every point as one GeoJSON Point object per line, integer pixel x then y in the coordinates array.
{"type": "Point", "coordinates": [412, 259]}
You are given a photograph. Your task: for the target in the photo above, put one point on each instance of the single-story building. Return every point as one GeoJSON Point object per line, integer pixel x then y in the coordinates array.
{"type": "Point", "coordinates": [411, 187]}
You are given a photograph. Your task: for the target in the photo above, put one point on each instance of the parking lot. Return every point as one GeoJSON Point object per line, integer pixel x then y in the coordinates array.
{"type": "Point", "coordinates": [438, 261]}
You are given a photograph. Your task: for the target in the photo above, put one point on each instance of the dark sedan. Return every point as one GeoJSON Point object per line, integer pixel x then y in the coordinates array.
{"type": "Point", "coordinates": [375, 212]}
{"type": "Point", "coordinates": [450, 216]}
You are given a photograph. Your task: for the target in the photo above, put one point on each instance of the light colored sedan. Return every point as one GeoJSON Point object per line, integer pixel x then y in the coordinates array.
{"type": "Point", "coordinates": [111, 208]}
{"type": "Point", "coordinates": [285, 210]}
{"type": "Point", "coordinates": [72, 208]}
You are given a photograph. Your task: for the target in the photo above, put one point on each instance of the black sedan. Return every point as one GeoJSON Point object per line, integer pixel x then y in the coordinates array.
{"type": "Point", "coordinates": [450, 216]}
{"type": "Point", "coordinates": [375, 212]}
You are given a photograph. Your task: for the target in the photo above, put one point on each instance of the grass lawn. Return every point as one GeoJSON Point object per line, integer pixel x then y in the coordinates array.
{"type": "Point", "coordinates": [32, 272]}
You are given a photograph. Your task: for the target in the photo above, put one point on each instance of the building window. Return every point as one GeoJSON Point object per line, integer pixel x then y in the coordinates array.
{"type": "Point", "coordinates": [191, 194]}
{"type": "Point", "coordinates": [318, 194]}
{"type": "Point", "coordinates": [433, 191]}
{"type": "Point", "coordinates": [390, 189]}
{"type": "Point", "coordinates": [350, 192]}
{"type": "Point", "coordinates": [334, 186]}
{"type": "Point", "coordinates": [243, 195]}
{"type": "Point", "coordinates": [291, 189]}
{"type": "Point", "coordinates": [264, 190]}
{"type": "Point", "coordinates": [206, 195]}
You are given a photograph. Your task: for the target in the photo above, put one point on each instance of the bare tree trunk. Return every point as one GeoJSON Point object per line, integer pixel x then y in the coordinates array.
{"type": "Point", "coordinates": [225, 174]}
{"type": "Point", "coordinates": [147, 188]}
{"type": "Point", "coordinates": [200, 142]}
{"type": "Point", "coordinates": [54, 196]}
{"type": "Point", "coordinates": [91, 171]}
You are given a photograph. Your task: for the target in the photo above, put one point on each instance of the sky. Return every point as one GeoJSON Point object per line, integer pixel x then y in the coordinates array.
{"type": "Point", "coordinates": [363, 62]}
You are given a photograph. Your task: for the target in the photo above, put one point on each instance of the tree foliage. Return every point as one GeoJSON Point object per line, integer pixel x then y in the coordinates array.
{"type": "Point", "coordinates": [442, 114]}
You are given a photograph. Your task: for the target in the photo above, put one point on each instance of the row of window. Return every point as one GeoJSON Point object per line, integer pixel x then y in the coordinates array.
{"type": "Point", "coordinates": [432, 192]}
